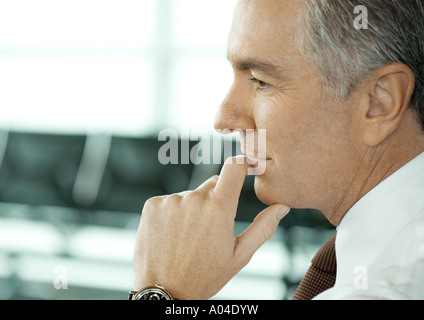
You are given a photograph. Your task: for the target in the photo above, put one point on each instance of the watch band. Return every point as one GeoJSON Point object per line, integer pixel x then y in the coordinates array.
{"type": "Point", "coordinates": [155, 292]}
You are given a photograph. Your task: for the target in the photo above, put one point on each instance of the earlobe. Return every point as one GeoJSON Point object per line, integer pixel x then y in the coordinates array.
{"type": "Point", "coordinates": [389, 94]}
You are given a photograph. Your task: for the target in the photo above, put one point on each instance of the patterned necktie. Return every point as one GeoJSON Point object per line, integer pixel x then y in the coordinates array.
{"type": "Point", "coordinates": [321, 275]}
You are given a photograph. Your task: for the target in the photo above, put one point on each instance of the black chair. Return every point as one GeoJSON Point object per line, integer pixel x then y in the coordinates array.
{"type": "Point", "coordinates": [40, 169]}
{"type": "Point", "coordinates": [133, 174]}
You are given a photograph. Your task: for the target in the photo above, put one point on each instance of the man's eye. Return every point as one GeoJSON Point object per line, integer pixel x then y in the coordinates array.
{"type": "Point", "coordinates": [260, 85]}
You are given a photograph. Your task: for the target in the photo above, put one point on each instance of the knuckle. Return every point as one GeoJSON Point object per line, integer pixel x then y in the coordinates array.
{"type": "Point", "coordinates": [268, 231]}
{"type": "Point", "coordinates": [191, 195]}
{"type": "Point", "coordinates": [174, 201]}
{"type": "Point", "coordinates": [153, 203]}
{"type": "Point", "coordinates": [152, 206]}
{"type": "Point", "coordinates": [173, 197]}
{"type": "Point", "coordinates": [214, 180]}
{"type": "Point", "coordinates": [194, 197]}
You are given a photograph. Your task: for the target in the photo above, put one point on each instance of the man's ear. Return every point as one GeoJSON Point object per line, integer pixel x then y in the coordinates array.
{"type": "Point", "coordinates": [389, 91]}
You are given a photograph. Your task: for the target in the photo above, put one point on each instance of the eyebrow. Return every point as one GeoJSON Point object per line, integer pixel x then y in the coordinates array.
{"type": "Point", "coordinates": [277, 71]}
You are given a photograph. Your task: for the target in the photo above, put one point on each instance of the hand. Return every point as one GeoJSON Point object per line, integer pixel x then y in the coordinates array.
{"type": "Point", "coordinates": [186, 241]}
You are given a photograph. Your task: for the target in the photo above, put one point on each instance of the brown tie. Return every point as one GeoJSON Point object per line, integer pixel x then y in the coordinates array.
{"type": "Point", "coordinates": [321, 275]}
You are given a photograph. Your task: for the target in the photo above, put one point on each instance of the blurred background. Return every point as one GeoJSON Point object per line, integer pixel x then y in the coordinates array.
{"type": "Point", "coordinates": [85, 88]}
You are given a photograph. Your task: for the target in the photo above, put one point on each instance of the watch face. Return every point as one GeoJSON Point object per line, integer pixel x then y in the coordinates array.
{"type": "Point", "coordinates": [152, 294]}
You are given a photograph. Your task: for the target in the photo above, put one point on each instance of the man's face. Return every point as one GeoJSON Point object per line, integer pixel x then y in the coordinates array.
{"type": "Point", "coordinates": [308, 137]}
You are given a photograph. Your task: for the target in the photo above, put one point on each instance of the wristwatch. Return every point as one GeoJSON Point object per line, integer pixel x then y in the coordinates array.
{"type": "Point", "coordinates": [156, 292]}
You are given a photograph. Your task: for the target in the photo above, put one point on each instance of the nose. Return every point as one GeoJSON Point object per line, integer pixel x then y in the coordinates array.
{"type": "Point", "coordinates": [235, 111]}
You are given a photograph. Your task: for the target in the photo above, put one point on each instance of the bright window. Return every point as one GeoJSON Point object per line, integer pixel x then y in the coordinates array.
{"type": "Point", "coordinates": [126, 67]}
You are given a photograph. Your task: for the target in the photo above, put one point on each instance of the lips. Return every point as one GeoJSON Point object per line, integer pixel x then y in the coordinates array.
{"type": "Point", "coordinates": [255, 161]}
{"type": "Point", "coordinates": [257, 165]}
{"type": "Point", "coordinates": [253, 158]}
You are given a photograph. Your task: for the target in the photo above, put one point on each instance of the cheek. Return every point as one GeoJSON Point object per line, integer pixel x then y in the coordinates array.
{"type": "Point", "coordinates": [284, 136]}
{"type": "Point", "coordinates": [302, 145]}
{"type": "Point", "coordinates": [276, 184]}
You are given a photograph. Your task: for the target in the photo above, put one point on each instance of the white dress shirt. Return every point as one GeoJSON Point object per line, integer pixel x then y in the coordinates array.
{"type": "Point", "coordinates": [380, 241]}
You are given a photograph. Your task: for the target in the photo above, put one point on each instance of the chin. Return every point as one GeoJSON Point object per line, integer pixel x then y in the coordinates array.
{"type": "Point", "coordinates": [270, 188]}
{"type": "Point", "coordinates": [265, 191]}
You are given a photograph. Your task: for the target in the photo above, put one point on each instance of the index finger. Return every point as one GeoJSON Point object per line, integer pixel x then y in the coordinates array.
{"type": "Point", "coordinates": [231, 179]}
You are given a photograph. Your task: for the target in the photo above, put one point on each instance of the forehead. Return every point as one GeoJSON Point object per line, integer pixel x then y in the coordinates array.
{"type": "Point", "coordinates": [264, 29]}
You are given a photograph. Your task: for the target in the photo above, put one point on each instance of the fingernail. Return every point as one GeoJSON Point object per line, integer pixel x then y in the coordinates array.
{"type": "Point", "coordinates": [283, 212]}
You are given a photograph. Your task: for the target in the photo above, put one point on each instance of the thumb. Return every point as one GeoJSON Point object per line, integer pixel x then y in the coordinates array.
{"type": "Point", "coordinates": [261, 230]}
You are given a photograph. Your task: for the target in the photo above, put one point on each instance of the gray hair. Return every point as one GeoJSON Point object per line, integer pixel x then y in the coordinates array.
{"type": "Point", "coordinates": [346, 55]}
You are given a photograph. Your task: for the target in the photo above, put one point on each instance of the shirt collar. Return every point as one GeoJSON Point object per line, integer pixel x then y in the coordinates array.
{"type": "Point", "coordinates": [373, 220]}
